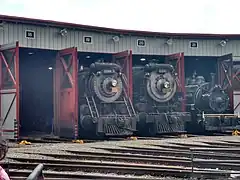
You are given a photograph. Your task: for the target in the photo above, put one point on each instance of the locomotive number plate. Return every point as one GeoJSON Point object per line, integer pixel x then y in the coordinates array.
{"type": "Point", "coordinates": [166, 90]}
{"type": "Point", "coordinates": [115, 89]}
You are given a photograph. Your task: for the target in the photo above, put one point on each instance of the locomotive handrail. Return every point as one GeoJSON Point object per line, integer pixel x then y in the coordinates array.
{"type": "Point", "coordinates": [37, 173]}
{"type": "Point", "coordinates": [95, 106]}
{"type": "Point", "coordinates": [129, 100]}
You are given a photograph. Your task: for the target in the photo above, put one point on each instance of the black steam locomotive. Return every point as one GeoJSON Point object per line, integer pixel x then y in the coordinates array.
{"type": "Point", "coordinates": [208, 103]}
{"type": "Point", "coordinates": [105, 107]}
{"type": "Point", "coordinates": [157, 100]}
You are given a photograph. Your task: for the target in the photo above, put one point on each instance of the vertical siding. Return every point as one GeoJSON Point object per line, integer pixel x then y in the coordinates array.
{"type": "Point", "coordinates": [48, 38]}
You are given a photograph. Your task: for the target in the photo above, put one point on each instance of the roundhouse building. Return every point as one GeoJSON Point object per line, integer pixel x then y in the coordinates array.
{"type": "Point", "coordinates": [32, 49]}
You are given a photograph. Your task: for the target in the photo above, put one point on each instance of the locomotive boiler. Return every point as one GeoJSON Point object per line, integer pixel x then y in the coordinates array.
{"type": "Point", "coordinates": [105, 107]}
{"type": "Point", "coordinates": [208, 103]}
{"type": "Point", "coordinates": [157, 100]}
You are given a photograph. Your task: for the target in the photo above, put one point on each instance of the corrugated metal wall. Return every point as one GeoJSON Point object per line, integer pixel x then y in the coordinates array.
{"type": "Point", "coordinates": [48, 38]}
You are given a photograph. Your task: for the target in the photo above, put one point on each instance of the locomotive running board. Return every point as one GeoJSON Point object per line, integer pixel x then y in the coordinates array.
{"type": "Point", "coordinates": [221, 115]}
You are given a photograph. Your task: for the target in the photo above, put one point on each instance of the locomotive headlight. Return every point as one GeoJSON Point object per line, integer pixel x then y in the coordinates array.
{"type": "Point", "coordinates": [147, 74]}
{"type": "Point", "coordinates": [114, 83]}
{"type": "Point", "coordinates": [166, 85]}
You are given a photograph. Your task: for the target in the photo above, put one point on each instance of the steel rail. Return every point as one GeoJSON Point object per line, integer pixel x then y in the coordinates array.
{"type": "Point", "coordinates": [222, 144]}
{"type": "Point", "coordinates": [186, 162]}
{"type": "Point", "coordinates": [171, 152]}
{"type": "Point", "coordinates": [115, 157]}
{"type": "Point", "coordinates": [127, 169]}
{"type": "Point", "coordinates": [224, 164]}
{"type": "Point", "coordinates": [212, 145]}
{"type": "Point", "coordinates": [15, 174]}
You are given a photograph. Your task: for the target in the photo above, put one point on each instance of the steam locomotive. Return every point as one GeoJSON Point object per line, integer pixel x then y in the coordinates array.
{"type": "Point", "coordinates": [105, 107]}
{"type": "Point", "coordinates": [207, 102]}
{"type": "Point", "coordinates": [157, 100]}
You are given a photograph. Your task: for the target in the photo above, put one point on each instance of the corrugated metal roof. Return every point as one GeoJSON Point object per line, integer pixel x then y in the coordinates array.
{"type": "Point", "coordinates": [112, 30]}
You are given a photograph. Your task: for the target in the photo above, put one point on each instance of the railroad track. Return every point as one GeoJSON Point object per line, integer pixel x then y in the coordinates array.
{"type": "Point", "coordinates": [116, 168]}
{"type": "Point", "coordinates": [23, 174]}
{"type": "Point", "coordinates": [106, 160]}
{"type": "Point", "coordinates": [210, 160]}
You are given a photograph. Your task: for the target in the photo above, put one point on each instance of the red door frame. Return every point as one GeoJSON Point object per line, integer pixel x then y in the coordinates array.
{"type": "Point", "coordinates": [179, 67]}
{"type": "Point", "coordinates": [236, 83]}
{"type": "Point", "coordinates": [66, 91]}
{"type": "Point", "coordinates": [225, 74]}
{"type": "Point", "coordinates": [125, 60]}
{"type": "Point", "coordinates": [11, 65]}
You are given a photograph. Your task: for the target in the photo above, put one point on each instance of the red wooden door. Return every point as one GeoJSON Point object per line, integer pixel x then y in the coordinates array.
{"type": "Point", "coordinates": [125, 60]}
{"type": "Point", "coordinates": [225, 74]}
{"type": "Point", "coordinates": [177, 60]}
{"type": "Point", "coordinates": [9, 90]}
{"type": "Point", "coordinates": [236, 86]}
{"type": "Point", "coordinates": [66, 93]}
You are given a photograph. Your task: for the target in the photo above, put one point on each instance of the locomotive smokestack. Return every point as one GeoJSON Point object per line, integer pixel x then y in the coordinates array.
{"type": "Point", "coordinates": [212, 80]}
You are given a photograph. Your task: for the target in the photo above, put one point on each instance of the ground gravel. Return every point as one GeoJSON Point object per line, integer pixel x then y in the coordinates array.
{"type": "Point", "coordinates": [61, 148]}
{"type": "Point", "coordinates": [16, 150]}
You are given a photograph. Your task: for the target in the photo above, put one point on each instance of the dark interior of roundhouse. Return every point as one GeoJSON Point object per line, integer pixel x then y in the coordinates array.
{"type": "Point", "coordinates": [36, 91]}
{"type": "Point", "coordinates": [202, 65]}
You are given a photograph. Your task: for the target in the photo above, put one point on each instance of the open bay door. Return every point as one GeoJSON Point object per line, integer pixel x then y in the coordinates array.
{"type": "Point", "coordinates": [66, 94]}
{"type": "Point", "coordinates": [9, 90]}
{"type": "Point", "coordinates": [177, 60]}
{"type": "Point", "coordinates": [225, 75]}
{"type": "Point", "coordinates": [124, 59]}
